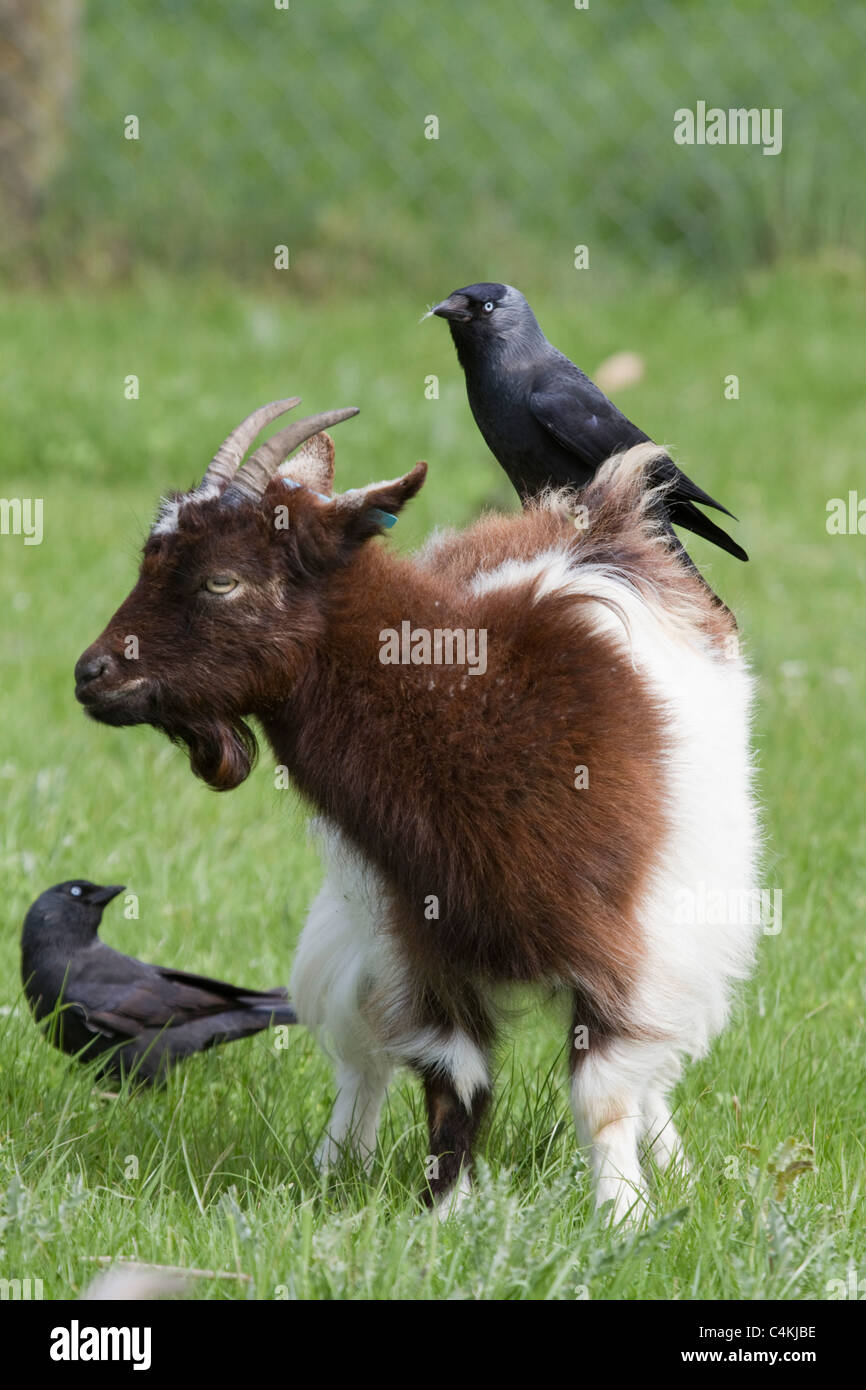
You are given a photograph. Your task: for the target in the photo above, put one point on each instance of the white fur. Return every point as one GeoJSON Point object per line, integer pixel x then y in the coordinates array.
{"type": "Point", "coordinates": [682, 983]}
{"type": "Point", "coordinates": [344, 955]}
{"type": "Point", "coordinates": [168, 516]}
{"type": "Point", "coordinates": [452, 1202]}
{"type": "Point", "coordinates": [549, 570]}
{"type": "Point", "coordinates": [606, 1100]}
{"type": "Point", "coordinates": [341, 953]}
{"type": "Point", "coordinates": [452, 1053]}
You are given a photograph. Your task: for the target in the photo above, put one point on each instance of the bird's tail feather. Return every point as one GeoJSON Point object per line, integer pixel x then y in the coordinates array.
{"type": "Point", "coordinates": [697, 494]}
{"type": "Point", "coordinates": [280, 1013]}
{"type": "Point", "coordinates": [687, 515]}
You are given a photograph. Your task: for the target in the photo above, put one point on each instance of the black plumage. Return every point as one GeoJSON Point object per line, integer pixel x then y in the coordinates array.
{"type": "Point", "coordinates": [136, 1018]}
{"type": "Point", "coordinates": [544, 420]}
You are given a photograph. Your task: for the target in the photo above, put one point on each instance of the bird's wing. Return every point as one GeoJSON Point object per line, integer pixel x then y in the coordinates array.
{"type": "Point", "coordinates": [92, 1023]}
{"type": "Point", "coordinates": [161, 997]}
{"type": "Point", "coordinates": [110, 1025]}
{"type": "Point", "coordinates": [223, 989]}
{"type": "Point", "coordinates": [582, 420]}
{"type": "Point", "coordinates": [149, 1002]}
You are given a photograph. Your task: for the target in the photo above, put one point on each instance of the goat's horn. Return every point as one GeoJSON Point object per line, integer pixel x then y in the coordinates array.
{"type": "Point", "coordinates": [228, 457]}
{"type": "Point", "coordinates": [252, 479]}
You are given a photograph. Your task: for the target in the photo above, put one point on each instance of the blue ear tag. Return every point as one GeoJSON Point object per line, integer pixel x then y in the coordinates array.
{"type": "Point", "coordinates": [293, 482]}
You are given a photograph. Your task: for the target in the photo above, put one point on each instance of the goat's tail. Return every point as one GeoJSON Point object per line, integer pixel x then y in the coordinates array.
{"type": "Point", "coordinates": [624, 499]}
{"type": "Point", "coordinates": [621, 525]}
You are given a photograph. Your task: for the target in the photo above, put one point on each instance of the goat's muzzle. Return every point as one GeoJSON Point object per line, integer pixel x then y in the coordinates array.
{"type": "Point", "coordinates": [107, 692]}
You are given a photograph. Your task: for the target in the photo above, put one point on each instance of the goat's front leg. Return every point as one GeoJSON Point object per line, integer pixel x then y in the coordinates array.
{"type": "Point", "coordinates": [361, 1086]}
{"type": "Point", "coordinates": [337, 964]}
{"type": "Point", "coordinates": [454, 1119]}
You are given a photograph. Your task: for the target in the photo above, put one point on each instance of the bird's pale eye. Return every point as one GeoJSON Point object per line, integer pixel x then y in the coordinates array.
{"type": "Point", "coordinates": [76, 892]}
{"type": "Point", "coordinates": [489, 307]}
{"type": "Point", "coordinates": [221, 583]}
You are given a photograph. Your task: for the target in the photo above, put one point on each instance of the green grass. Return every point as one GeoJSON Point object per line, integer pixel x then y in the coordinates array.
{"type": "Point", "coordinates": [214, 1172]}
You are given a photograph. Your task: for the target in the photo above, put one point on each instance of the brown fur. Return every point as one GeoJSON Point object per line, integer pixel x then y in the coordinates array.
{"type": "Point", "coordinates": [466, 790]}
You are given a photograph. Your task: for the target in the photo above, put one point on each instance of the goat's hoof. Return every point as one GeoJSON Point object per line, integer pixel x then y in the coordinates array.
{"type": "Point", "coordinates": [328, 1155]}
{"type": "Point", "coordinates": [668, 1153]}
{"type": "Point", "coordinates": [679, 1165]}
{"type": "Point", "coordinates": [625, 1210]}
{"type": "Point", "coordinates": [331, 1153]}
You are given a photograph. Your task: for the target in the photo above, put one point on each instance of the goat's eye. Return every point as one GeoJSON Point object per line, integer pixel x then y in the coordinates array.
{"type": "Point", "coordinates": [221, 583]}
{"type": "Point", "coordinates": [489, 307]}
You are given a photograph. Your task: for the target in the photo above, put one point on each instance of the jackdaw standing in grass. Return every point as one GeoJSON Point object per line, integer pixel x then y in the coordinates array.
{"type": "Point", "coordinates": [542, 417]}
{"type": "Point", "coordinates": [144, 1018]}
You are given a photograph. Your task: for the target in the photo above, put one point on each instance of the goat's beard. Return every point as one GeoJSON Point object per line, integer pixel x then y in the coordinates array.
{"type": "Point", "coordinates": [220, 753]}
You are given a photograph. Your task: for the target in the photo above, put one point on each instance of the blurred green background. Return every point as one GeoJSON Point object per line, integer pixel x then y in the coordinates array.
{"type": "Point", "coordinates": [305, 126]}
{"type": "Point", "coordinates": [154, 258]}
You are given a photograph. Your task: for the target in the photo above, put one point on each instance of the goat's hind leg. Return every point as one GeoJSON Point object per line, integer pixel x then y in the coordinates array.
{"type": "Point", "coordinates": [452, 1062]}
{"type": "Point", "coordinates": [661, 1135]}
{"type": "Point", "coordinates": [608, 1083]}
{"type": "Point", "coordinates": [453, 1124]}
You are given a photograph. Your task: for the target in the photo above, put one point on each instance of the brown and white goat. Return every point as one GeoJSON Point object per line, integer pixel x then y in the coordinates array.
{"type": "Point", "coordinates": [556, 819]}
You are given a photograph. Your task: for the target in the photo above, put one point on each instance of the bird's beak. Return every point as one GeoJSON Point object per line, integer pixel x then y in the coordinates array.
{"type": "Point", "coordinates": [455, 308]}
{"type": "Point", "coordinates": [105, 895]}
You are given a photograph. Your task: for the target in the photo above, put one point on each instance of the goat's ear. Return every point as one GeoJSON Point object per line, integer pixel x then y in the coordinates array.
{"type": "Point", "coordinates": [312, 465]}
{"type": "Point", "coordinates": [368, 511]}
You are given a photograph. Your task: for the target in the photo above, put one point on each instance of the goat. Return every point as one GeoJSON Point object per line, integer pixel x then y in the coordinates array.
{"type": "Point", "coordinates": [553, 821]}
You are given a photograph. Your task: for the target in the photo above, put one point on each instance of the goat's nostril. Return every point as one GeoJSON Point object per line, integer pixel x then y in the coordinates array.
{"type": "Point", "coordinates": [90, 668]}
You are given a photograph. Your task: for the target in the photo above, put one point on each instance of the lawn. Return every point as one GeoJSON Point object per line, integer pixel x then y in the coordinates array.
{"type": "Point", "coordinates": [214, 1172]}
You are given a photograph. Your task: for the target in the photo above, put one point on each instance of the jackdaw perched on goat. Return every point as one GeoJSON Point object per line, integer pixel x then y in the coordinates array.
{"type": "Point", "coordinates": [543, 419]}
